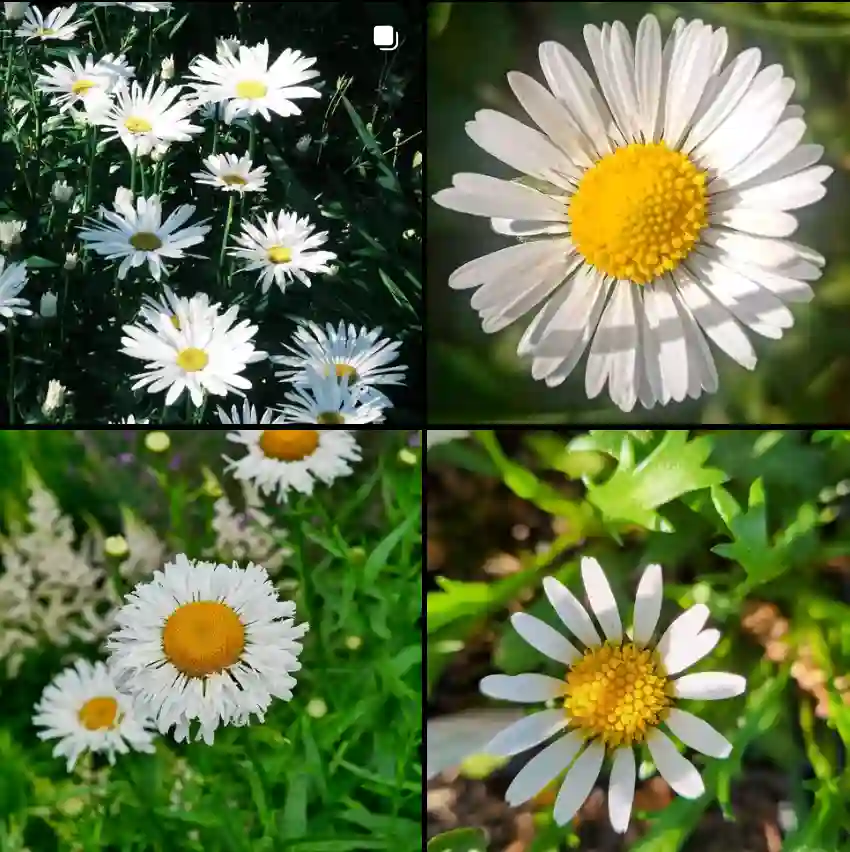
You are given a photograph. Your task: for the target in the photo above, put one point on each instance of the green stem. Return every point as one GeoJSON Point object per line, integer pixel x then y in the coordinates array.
{"type": "Point", "coordinates": [133, 172]}
{"type": "Point", "coordinates": [227, 225]}
{"type": "Point", "coordinates": [64, 307]}
{"type": "Point", "coordinates": [92, 151]}
{"type": "Point", "coordinates": [144, 179]}
{"type": "Point", "coordinates": [10, 391]}
{"type": "Point", "coordinates": [103, 39]}
{"type": "Point", "coordinates": [215, 132]}
{"type": "Point", "coordinates": [189, 413]}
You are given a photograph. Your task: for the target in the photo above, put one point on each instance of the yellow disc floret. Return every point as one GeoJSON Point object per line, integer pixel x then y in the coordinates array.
{"type": "Point", "coordinates": [99, 713]}
{"type": "Point", "coordinates": [203, 637]}
{"type": "Point", "coordinates": [617, 693]}
{"type": "Point", "coordinates": [289, 445]}
{"type": "Point", "coordinates": [638, 212]}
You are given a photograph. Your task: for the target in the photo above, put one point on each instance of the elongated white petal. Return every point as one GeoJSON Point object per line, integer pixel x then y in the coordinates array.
{"type": "Point", "coordinates": [526, 733]}
{"type": "Point", "coordinates": [682, 656]}
{"type": "Point", "coordinates": [621, 788]}
{"type": "Point", "coordinates": [683, 628]}
{"type": "Point", "coordinates": [571, 612]}
{"type": "Point", "coordinates": [708, 686]}
{"type": "Point", "coordinates": [648, 603]}
{"type": "Point", "coordinates": [544, 638]}
{"type": "Point", "coordinates": [676, 770]}
{"type": "Point", "coordinates": [543, 768]}
{"type": "Point", "coordinates": [522, 688]}
{"type": "Point", "coordinates": [601, 599]}
{"type": "Point", "coordinates": [579, 782]}
{"type": "Point", "coordinates": [697, 734]}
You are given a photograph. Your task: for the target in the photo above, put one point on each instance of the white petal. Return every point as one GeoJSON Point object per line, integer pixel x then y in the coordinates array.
{"type": "Point", "coordinates": [799, 159]}
{"type": "Point", "coordinates": [522, 688]}
{"type": "Point", "coordinates": [543, 768]}
{"type": "Point", "coordinates": [482, 269]}
{"type": "Point", "coordinates": [667, 359]}
{"type": "Point", "coordinates": [648, 72]}
{"type": "Point", "coordinates": [482, 195]}
{"type": "Point", "coordinates": [601, 599]}
{"type": "Point", "coordinates": [571, 612]}
{"type": "Point", "coordinates": [648, 603]}
{"type": "Point", "coordinates": [526, 228]}
{"type": "Point", "coordinates": [683, 628]}
{"type": "Point", "coordinates": [579, 782]}
{"type": "Point", "coordinates": [697, 734]}
{"type": "Point", "coordinates": [761, 222]}
{"type": "Point", "coordinates": [544, 638]}
{"type": "Point", "coordinates": [789, 193]}
{"type": "Point", "coordinates": [621, 789]}
{"type": "Point", "coordinates": [709, 686]}
{"type": "Point", "coordinates": [676, 770]}
{"type": "Point", "coordinates": [682, 656]}
{"type": "Point", "coordinates": [526, 733]}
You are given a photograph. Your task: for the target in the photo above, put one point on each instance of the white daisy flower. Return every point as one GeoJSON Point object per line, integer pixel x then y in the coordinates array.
{"type": "Point", "coordinates": [83, 709]}
{"type": "Point", "coordinates": [74, 82]}
{"type": "Point", "coordinates": [169, 304]}
{"type": "Point", "coordinates": [153, 6]}
{"type": "Point", "coordinates": [208, 642]}
{"type": "Point", "coordinates": [203, 352]}
{"type": "Point", "coordinates": [57, 25]}
{"type": "Point", "coordinates": [138, 234]}
{"type": "Point", "coordinates": [614, 695]}
{"type": "Point", "coordinates": [144, 119]}
{"type": "Point", "coordinates": [280, 460]}
{"type": "Point", "coordinates": [227, 46]}
{"type": "Point", "coordinates": [443, 436]}
{"type": "Point", "coordinates": [247, 415]}
{"type": "Point", "coordinates": [10, 233]}
{"type": "Point", "coordinates": [332, 400]}
{"type": "Point", "coordinates": [12, 281]}
{"type": "Point", "coordinates": [654, 212]}
{"type": "Point", "coordinates": [129, 421]}
{"type": "Point", "coordinates": [282, 250]}
{"type": "Point", "coordinates": [361, 355]}
{"type": "Point", "coordinates": [215, 112]}
{"type": "Point", "coordinates": [248, 85]}
{"type": "Point", "coordinates": [232, 174]}
{"type": "Point", "coordinates": [54, 397]}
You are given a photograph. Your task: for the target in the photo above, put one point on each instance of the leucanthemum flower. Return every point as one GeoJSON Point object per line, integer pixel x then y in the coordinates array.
{"type": "Point", "coordinates": [138, 234]}
{"type": "Point", "coordinates": [215, 112]}
{"type": "Point", "coordinates": [83, 709]}
{"type": "Point", "coordinates": [232, 174]}
{"type": "Point", "coordinates": [654, 212]}
{"type": "Point", "coordinates": [329, 399]}
{"type": "Point", "coordinates": [202, 352]}
{"type": "Point", "coordinates": [249, 85]}
{"type": "Point", "coordinates": [280, 460]}
{"type": "Point", "coordinates": [283, 250]}
{"type": "Point", "coordinates": [12, 280]}
{"type": "Point", "coordinates": [615, 694]}
{"type": "Point", "coordinates": [362, 355]}
{"type": "Point", "coordinates": [74, 82]}
{"type": "Point", "coordinates": [247, 415]}
{"type": "Point", "coordinates": [443, 436]}
{"type": "Point", "coordinates": [58, 24]}
{"type": "Point", "coordinates": [153, 6]}
{"type": "Point", "coordinates": [145, 118]}
{"type": "Point", "coordinates": [10, 233]}
{"type": "Point", "coordinates": [206, 642]}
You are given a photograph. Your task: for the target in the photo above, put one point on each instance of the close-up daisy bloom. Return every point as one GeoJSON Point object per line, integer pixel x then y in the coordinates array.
{"type": "Point", "coordinates": [202, 352]}
{"type": "Point", "coordinates": [247, 415]}
{"type": "Point", "coordinates": [207, 643]}
{"type": "Point", "coordinates": [137, 234]}
{"type": "Point", "coordinates": [278, 461]}
{"type": "Point", "coordinates": [654, 210]}
{"type": "Point", "coordinates": [617, 690]}
{"type": "Point", "coordinates": [85, 711]}
{"type": "Point", "coordinates": [243, 79]}
{"type": "Point", "coordinates": [57, 25]}
{"type": "Point", "coordinates": [231, 173]}
{"type": "Point", "coordinates": [13, 279]}
{"type": "Point", "coordinates": [77, 81]}
{"type": "Point", "coordinates": [361, 354]}
{"type": "Point", "coordinates": [282, 248]}
{"type": "Point", "coordinates": [329, 399]}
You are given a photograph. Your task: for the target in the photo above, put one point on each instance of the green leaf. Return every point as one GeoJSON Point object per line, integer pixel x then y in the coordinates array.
{"type": "Point", "coordinates": [36, 262]}
{"type": "Point", "coordinates": [459, 840]}
{"type": "Point", "coordinates": [378, 557]}
{"type": "Point", "coordinates": [608, 441]}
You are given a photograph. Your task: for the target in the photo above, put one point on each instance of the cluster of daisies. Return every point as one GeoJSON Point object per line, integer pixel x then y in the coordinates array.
{"type": "Point", "coordinates": [652, 212]}
{"type": "Point", "coordinates": [199, 642]}
{"type": "Point", "coordinates": [194, 344]}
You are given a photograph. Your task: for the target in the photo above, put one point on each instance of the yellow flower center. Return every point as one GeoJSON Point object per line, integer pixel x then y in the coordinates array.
{"type": "Point", "coordinates": [639, 212]}
{"type": "Point", "coordinates": [45, 31]}
{"type": "Point", "coordinates": [192, 360]}
{"type": "Point", "coordinates": [82, 86]}
{"type": "Point", "coordinates": [203, 637]}
{"type": "Point", "coordinates": [279, 254]}
{"type": "Point", "coordinates": [145, 241]}
{"type": "Point", "coordinates": [343, 370]}
{"type": "Point", "coordinates": [330, 418]}
{"type": "Point", "coordinates": [137, 125]}
{"type": "Point", "coordinates": [99, 713]}
{"type": "Point", "coordinates": [617, 693]}
{"type": "Point", "coordinates": [289, 444]}
{"type": "Point", "coordinates": [251, 89]}
{"type": "Point", "coordinates": [234, 180]}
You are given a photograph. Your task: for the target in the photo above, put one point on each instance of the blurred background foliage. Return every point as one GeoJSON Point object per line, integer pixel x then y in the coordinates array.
{"type": "Point", "coordinates": [478, 378]}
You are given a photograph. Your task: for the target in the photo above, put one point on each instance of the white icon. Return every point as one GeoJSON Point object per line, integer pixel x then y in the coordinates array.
{"type": "Point", "coordinates": [385, 38]}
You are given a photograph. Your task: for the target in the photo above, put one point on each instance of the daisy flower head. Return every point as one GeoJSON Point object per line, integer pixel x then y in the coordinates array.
{"type": "Point", "coordinates": [615, 694]}
{"type": "Point", "coordinates": [68, 84]}
{"type": "Point", "coordinates": [247, 415]}
{"type": "Point", "coordinates": [653, 211]}
{"type": "Point", "coordinates": [12, 280]}
{"type": "Point", "coordinates": [282, 249]}
{"type": "Point", "coordinates": [243, 79]}
{"type": "Point", "coordinates": [203, 352]}
{"type": "Point", "coordinates": [145, 118]}
{"type": "Point", "coordinates": [329, 399]}
{"type": "Point", "coordinates": [10, 233]}
{"type": "Point", "coordinates": [362, 355]}
{"type": "Point", "coordinates": [443, 436]}
{"type": "Point", "coordinates": [232, 174]}
{"type": "Point", "coordinates": [282, 460]}
{"type": "Point", "coordinates": [206, 642]}
{"type": "Point", "coordinates": [57, 24]}
{"type": "Point", "coordinates": [83, 709]}
{"type": "Point", "coordinates": [137, 234]}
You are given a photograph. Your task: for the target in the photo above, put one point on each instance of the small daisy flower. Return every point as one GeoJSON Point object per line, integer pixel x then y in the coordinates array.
{"type": "Point", "coordinates": [227, 46]}
{"type": "Point", "coordinates": [215, 112]}
{"type": "Point", "coordinates": [138, 234]}
{"type": "Point", "coordinates": [166, 68]}
{"type": "Point", "coordinates": [283, 250]}
{"type": "Point", "coordinates": [143, 119]}
{"type": "Point", "coordinates": [203, 352]}
{"type": "Point", "coordinates": [653, 211]}
{"type": "Point", "coordinates": [10, 233]}
{"type": "Point", "coordinates": [84, 710]}
{"type": "Point", "coordinates": [248, 85]}
{"type": "Point", "coordinates": [68, 84]}
{"type": "Point", "coordinates": [12, 281]}
{"type": "Point", "coordinates": [614, 695]}
{"type": "Point", "coordinates": [54, 397]}
{"type": "Point", "coordinates": [331, 400]}
{"type": "Point", "coordinates": [443, 436]}
{"type": "Point", "coordinates": [232, 174]}
{"type": "Point", "coordinates": [206, 642]}
{"type": "Point", "coordinates": [57, 25]}
{"type": "Point", "coordinates": [62, 192]}
{"type": "Point", "coordinates": [247, 415]}
{"type": "Point", "coordinates": [280, 460]}
{"type": "Point", "coordinates": [153, 6]}
{"type": "Point", "coordinates": [361, 355]}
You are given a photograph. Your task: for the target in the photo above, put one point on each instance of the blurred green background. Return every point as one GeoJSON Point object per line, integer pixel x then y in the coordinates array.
{"type": "Point", "coordinates": [477, 378]}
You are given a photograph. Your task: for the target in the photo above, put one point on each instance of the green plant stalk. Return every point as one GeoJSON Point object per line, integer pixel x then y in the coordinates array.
{"type": "Point", "coordinates": [64, 307]}
{"type": "Point", "coordinates": [227, 225]}
{"type": "Point", "coordinates": [92, 151]}
{"type": "Point", "coordinates": [133, 172]}
{"type": "Point", "coordinates": [143, 178]}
